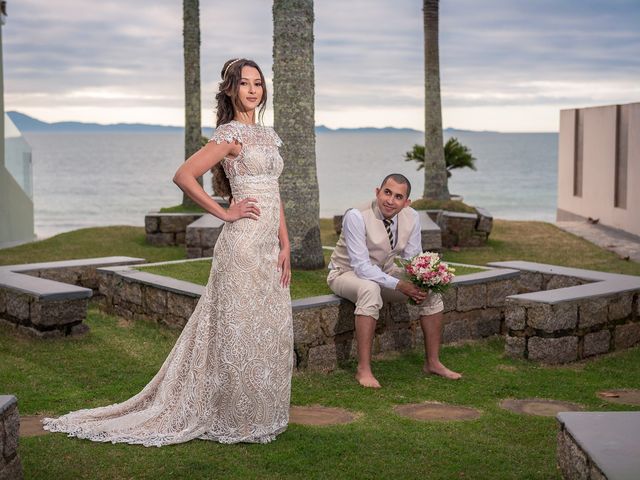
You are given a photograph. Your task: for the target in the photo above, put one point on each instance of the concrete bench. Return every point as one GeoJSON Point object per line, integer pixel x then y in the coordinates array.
{"type": "Point", "coordinates": [10, 465]}
{"type": "Point", "coordinates": [50, 299]}
{"type": "Point", "coordinates": [569, 314]}
{"type": "Point", "coordinates": [599, 445]}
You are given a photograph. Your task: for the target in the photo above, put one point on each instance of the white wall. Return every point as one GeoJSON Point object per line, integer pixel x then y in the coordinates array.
{"type": "Point", "coordinates": [598, 185]}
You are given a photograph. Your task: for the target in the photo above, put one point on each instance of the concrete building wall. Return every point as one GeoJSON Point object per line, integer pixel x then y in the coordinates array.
{"type": "Point", "coordinates": [605, 133]}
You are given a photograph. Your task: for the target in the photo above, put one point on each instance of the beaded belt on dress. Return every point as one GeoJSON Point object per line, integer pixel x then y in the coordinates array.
{"type": "Point", "coordinates": [254, 184]}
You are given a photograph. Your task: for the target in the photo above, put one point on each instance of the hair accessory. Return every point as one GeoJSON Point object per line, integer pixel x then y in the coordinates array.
{"type": "Point", "coordinates": [224, 75]}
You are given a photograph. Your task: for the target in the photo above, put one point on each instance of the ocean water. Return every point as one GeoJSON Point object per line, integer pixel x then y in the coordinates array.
{"type": "Point", "coordinates": [93, 179]}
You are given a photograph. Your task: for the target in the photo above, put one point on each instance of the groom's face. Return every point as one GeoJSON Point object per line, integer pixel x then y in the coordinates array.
{"type": "Point", "coordinates": [392, 197]}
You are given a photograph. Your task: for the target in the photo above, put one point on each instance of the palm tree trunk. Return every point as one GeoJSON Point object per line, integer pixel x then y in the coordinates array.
{"type": "Point", "coordinates": [294, 112]}
{"type": "Point", "coordinates": [435, 170]}
{"type": "Point", "coordinates": [192, 106]}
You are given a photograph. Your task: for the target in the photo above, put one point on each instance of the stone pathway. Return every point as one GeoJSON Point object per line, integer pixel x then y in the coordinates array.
{"type": "Point", "coordinates": [430, 411]}
{"type": "Point", "coordinates": [624, 396]}
{"type": "Point", "coordinates": [539, 406]}
{"type": "Point", "coordinates": [319, 415]}
{"type": "Point", "coordinates": [622, 243]}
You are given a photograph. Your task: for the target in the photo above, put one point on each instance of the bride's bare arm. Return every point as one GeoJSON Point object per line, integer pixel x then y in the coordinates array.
{"type": "Point", "coordinates": [284, 260]}
{"type": "Point", "coordinates": [196, 165]}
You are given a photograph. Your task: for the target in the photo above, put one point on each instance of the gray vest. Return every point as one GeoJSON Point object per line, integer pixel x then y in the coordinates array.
{"type": "Point", "coordinates": [380, 252]}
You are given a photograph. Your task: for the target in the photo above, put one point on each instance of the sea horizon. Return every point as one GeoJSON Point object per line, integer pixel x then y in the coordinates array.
{"type": "Point", "coordinates": [98, 179]}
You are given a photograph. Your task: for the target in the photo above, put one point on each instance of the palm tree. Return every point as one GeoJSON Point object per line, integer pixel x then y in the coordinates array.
{"type": "Point", "coordinates": [294, 111]}
{"type": "Point", "coordinates": [192, 106]}
{"type": "Point", "coordinates": [435, 172]}
{"type": "Point", "coordinates": [456, 155]}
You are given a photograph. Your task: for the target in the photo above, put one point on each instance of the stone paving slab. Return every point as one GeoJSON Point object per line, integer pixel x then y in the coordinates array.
{"type": "Point", "coordinates": [31, 426]}
{"type": "Point", "coordinates": [542, 407]}
{"type": "Point", "coordinates": [625, 396]}
{"type": "Point", "coordinates": [620, 242]}
{"type": "Point", "coordinates": [610, 439]}
{"type": "Point", "coordinates": [434, 411]}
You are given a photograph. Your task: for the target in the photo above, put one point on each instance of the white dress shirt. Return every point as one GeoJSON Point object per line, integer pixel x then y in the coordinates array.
{"type": "Point", "coordinates": [355, 238]}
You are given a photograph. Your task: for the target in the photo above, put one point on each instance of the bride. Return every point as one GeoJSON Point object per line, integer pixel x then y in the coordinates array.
{"type": "Point", "coordinates": [228, 377]}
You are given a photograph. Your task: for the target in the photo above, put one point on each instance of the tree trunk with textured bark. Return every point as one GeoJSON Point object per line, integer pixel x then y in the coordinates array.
{"type": "Point", "coordinates": [435, 169]}
{"type": "Point", "coordinates": [192, 105]}
{"type": "Point", "coordinates": [294, 112]}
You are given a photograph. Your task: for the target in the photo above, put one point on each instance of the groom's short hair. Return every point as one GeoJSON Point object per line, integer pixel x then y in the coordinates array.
{"type": "Point", "coordinates": [398, 178]}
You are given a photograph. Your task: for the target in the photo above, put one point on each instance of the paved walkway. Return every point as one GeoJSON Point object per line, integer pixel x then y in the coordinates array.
{"type": "Point", "coordinates": [622, 243]}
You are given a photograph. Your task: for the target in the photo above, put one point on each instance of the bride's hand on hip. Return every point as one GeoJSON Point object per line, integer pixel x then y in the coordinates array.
{"type": "Point", "coordinates": [284, 267]}
{"type": "Point", "coordinates": [246, 208]}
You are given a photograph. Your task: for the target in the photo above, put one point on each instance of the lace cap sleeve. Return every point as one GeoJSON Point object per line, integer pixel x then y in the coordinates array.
{"type": "Point", "coordinates": [276, 138]}
{"type": "Point", "coordinates": [226, 133]}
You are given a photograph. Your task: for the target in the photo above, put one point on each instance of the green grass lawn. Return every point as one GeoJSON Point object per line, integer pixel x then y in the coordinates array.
{"type": "Point", "coordinates": [304, 283]}
{"type": "Point", "coordinates": [117, 358]}
{"type": "Point", "coordinates": [544, 243]}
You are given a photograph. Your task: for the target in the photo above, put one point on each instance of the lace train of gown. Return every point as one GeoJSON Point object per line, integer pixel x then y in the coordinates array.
{"type": "Point", "coordinates": [228, 377]}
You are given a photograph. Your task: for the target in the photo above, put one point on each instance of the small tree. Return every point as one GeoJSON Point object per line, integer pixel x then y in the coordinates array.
{"type": "Point", "coordinates": [456, 155]}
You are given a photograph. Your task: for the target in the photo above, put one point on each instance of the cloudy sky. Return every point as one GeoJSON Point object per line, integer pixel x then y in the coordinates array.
{"type": "Point", "coordinates": [507, 65]}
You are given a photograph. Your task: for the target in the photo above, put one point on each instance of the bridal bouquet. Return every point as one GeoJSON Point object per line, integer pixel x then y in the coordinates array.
{"type": "Point", "coordinates": [427, 271]}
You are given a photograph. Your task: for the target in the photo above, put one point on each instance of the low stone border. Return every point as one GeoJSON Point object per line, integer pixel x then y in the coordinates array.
{"type": "Point", "coordinates": [464, 229]}
{"type": "Point", "coordinates": [168, 228]}
{"type": "Point", "coordinates": [542, 407]}
{"type": "Point", "coordinates": [50, 299]}
{"type": "Point", "coordinates": [318, 415]}
{"type": "Point", "coordinates": [202, 236]}
{"type": "Point", "coordinates": [579, 313]}
{"type": "Point", "coordinates": [599, 445]}
{"type": "Point", "coordinates": [10, 464]}
{"type": "Point", "coordinates": [434, 411]}
{"type": "Point", "coordinates": [323, 326]}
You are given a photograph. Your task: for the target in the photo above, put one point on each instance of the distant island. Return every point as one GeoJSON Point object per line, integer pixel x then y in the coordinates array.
{"type": "Point", "coordinates": [25, 123]}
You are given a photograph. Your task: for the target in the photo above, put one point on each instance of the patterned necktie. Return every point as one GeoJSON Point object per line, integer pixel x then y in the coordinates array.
{"type": "Point", "coordinates": [387, 224]}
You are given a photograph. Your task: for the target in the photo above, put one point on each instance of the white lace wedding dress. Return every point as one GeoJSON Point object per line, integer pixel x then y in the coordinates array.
{"type": "Point", "coordinates": [228, 377]}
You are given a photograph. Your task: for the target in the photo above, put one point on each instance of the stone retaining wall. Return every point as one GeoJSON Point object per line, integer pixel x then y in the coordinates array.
{"type": "Point", "coordinates": [324, 326]}
{"type": "Point", "coordinates": [50, 299]}
{"type": "Point", "coordinates": [10, 465]}
{"type": "Point", "coordinates": [573, 314]}
{"type": "Point", "coordinates": [573, 461]}
{"type": "Point", "coordinates": [572, 330]}
{"type": "Point", "coordinates": [463, 229]}
{"type": "Point", "coordinates": [168, 228]}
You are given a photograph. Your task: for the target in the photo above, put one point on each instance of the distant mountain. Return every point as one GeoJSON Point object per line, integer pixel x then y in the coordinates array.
{"type": "Point", "coordinates": [25, 123]}
{"type": "Point", "coordinates": [324, 129]}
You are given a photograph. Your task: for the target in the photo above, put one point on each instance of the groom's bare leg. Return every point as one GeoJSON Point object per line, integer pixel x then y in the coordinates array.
{"type": "Point", "coordinates": [432, 329]}
{"type": "Point", "coordinates": [365, 330]}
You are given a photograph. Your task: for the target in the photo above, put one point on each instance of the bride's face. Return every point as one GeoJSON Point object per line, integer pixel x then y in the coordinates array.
{"type": "Point", "coordinates": [250, 89]}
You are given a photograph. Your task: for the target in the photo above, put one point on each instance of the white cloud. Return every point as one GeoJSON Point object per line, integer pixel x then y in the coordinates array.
{"type": "Point", "coordinates": [506, 59]}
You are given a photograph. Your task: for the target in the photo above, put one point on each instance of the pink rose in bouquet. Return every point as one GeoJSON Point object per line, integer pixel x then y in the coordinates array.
{"type": "Point", "coordinates": [427, 271]}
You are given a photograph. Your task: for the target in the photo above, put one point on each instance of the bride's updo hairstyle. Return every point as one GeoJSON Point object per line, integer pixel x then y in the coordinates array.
{"type": "Point", "coordinates": [227, 103]}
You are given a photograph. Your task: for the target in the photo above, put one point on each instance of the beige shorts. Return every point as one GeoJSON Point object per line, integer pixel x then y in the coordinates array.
{"type": "Point", "coordinates": [369, 296]}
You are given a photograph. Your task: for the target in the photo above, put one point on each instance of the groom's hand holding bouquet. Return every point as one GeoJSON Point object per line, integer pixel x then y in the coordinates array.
{"type": "Point", "coordinates": [427, 272]}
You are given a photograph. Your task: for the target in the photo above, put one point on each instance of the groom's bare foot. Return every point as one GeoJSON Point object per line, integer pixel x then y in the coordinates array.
{"type": "Point", "coordinates": [366, 379]}
{"type": "Point", "coordinates": [441, 370]}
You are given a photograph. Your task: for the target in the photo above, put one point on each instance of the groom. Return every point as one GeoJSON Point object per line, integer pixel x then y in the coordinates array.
{"type": "Point", "coordinates": [362, 270]}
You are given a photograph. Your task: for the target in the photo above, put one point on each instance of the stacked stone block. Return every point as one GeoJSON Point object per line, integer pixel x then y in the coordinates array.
{"type": "Point", "coordinates": [202, 236]}
{"type": "Point", "coordinates": [168, 228]}
{"type": "Point", "coordinates": [10, 465]}
{"type": "Point", "coordinates": [571, 330]}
